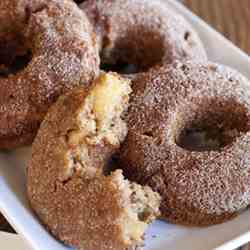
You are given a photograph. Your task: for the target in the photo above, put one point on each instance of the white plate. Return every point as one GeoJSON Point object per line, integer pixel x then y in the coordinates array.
{"type": "Point", "coordinates": [11, 242]}
{"type": "Point", "coordinates": [160, 236]}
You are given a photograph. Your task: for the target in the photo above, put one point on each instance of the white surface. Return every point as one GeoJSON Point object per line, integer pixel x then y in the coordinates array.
{"type": "Point", "coordinates": [161, 236]}
{"type": "Point", "coordinates": [11, 242]}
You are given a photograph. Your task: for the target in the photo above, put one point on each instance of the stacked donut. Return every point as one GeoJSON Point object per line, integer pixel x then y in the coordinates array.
{"type": "Point", "coordinates": [46, 50]}
{"type": "Point", "coordinates": [176, 124]}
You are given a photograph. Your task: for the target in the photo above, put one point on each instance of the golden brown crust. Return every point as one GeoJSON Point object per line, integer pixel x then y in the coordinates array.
{"type": "Point", "coordinates": [198, 187]}
{"type": "Point", "coordinates": [63, 55]}
{"type": "Point", "coordinates": [144, 33]}
{"type": "Point", "coordinates": [69, 193]}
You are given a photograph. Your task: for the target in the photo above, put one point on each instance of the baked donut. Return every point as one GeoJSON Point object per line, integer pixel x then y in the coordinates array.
{"type": "Point", "coordinates": [46, 48]}
{"type": "Point", "coordinates": [69, 185]}
{"type": "Point", "coordinates": [135, 35]}
{"type": "Point", "coordinates": [201, 181]}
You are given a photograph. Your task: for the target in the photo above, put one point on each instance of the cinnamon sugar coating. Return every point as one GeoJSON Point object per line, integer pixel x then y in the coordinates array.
{"type": "Point", "coordinates": [143, 33]}
{"type": "Point", "coordinates": [198, 187]}
{"type": "Point", "coordinates": [56, 43]}
{"type": "Point", "coordinates": [66, 184]}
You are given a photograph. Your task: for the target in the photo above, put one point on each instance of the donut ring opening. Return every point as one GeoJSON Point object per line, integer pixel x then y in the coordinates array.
{"type": "Point", "coordinates": [14, 55]}
{"type": "Point", "coordinates": [79, 1]}
{"type": "Point", "coordinates": [126, 57]}
{"type": "Point", "coordinates": [212, 124]}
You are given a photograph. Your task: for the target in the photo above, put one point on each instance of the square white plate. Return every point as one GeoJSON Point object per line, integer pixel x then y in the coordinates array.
{"type": "Point", "coordinates": [11, 242]}
{"type": "Point", "coordinates": [160, 236]}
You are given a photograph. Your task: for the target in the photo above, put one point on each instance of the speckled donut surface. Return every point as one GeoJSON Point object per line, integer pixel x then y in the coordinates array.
{"type": "Point", "coordinates": [66, 185]}
{"type": "Point", "coordinates": [142, 32]}
{"type": "Point", "coordinates": [57, 45]}
{"type": "Point", "coordinates": [198, 187]}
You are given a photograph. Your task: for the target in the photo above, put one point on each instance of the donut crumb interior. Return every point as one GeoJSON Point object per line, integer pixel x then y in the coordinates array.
{"type": "Point", "coordinates": [100, 122]}
{"type": "Point", "coordinates": [100, 116]}
{"type": "Point", "coordinates": [141, 207]}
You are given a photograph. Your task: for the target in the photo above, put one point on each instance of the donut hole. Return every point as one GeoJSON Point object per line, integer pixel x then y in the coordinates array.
{"type": "Point", "coordinates": [132, 52]}
{"type": "Point", "coordinates": [79, 1]}
{"type": "Point", "coordinates": [14, 56]}
{"type": "Point", "coordinates": [211, 125]}
{"type": "Point", "coordinates": [120, 67]}
{"type": "Point", "coordinates": [199, 139]}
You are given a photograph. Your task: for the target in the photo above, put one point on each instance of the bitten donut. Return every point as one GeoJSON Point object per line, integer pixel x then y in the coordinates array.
{"type": "Point", "coordinates": [141, 34]}
{"type": "Point", "coordinates": [171, 107]}
{"type": "Point", "coordinates": [69, 184]}
{"type": "Point", "coordinates": [46, 48]}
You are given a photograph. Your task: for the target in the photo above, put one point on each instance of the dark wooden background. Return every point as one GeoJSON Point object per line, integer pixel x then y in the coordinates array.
{"type": "Point", "coordinates": [230, 17]}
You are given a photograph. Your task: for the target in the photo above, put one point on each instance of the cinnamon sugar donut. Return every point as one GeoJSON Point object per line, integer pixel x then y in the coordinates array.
{"type": "Point", "coordinates": [200, 184]}
{"type": "Point", "coordinates": [46, 48]}
{"type": "Point", "coordinates": [66, 183]}
{"type": "Point", "coordinates": [141, 34]}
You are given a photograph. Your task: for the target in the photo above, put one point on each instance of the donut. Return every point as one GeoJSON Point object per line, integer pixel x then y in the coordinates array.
{"type": "Point", "coordinates": [135, 35]}
{"type": "Point", "coordinates": [46, 49]}
{"type": "Point", "coordinates": [70, 184]}
{"type": "Point", "coordinates": [189, 140]}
